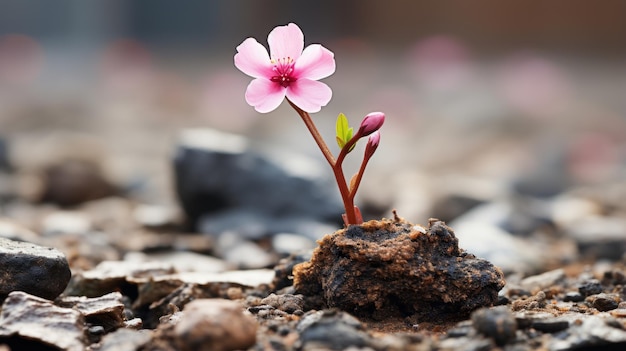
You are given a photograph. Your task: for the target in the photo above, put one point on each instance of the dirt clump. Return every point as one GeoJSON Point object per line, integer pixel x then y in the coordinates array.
{"type": "Point", "coordinates": [394, 269]}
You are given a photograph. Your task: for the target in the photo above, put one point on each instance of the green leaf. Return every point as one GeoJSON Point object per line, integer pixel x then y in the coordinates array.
{"type": "Point", "coordinates": [343, 130]}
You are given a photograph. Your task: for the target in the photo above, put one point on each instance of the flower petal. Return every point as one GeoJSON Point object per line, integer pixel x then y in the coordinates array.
{"type": "Point", "coordinates": [286, 41]}
{"type": "Point", "coordinates": [316, 62]}
{"type": "Point", "coordinates": [252, 59]}
{"type": "Point", "coordinates": [309, 95]}
{"type": "Point", "coordinates": [264, 95]}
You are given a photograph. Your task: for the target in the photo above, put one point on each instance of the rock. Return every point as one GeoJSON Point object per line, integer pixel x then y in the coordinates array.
{"type": "Point", "coordinates": [590, 287]}
{"type": "Point", "coordinates": [287, 302]}
{"type": "Point", "coordinates": [550, 325]}
{"type": "Point", "coordinates": [543, 281]}
{"type": "Point", "coordinates": [214, 324]}
{"type": "Point", "coordinates": [71, 182]}
{"type": "Point", "coordinates": [37, 270]}
{"type": "Point", "coordinates": [110, 276]}
{"type": "Point", "coordinates": [124, 340]}
{"type": "Point", "coordinates": [594, 332]}
{"type": "Point", "coordinates": [331, 330]}
{"type": "Point", "coordinates": [285, 243]}
{"type": "Point", "coordinates": [604, 302]}
{"type": "Point", "coordinates": [106, 311]}
{"type": "Point", "coordinates": [503, 249]}
{"type": "Point", "coordinates": [392, 268]}
{"type": "Point", "coordinates": [34, 323]}
{"type": "Point", "coordinates": [599, 236]}
{"type": "Point", "coordinates": [243, 253]}
{"type": "Point", "coordinates": [573, 296]}
{"type": "Point", "coordinates": [497, 323]}
{"type": "Point", "coordinates": [217, 172]}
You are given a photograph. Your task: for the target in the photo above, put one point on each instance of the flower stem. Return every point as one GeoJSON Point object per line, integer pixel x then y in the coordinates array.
{"type": "Point", "coordinates": [316, 134]}
{"type": "Point", "coordinates": [351, 216]}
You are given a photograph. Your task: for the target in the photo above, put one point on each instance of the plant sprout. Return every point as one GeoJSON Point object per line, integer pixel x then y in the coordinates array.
{"type": "Point", "coordinates": [292, 72]}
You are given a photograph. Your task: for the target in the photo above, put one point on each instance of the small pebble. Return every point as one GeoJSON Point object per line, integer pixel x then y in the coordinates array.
{"type": "Point", "coordinates": [590, 287]}
{"type": "Point", "coordinates": [604, 302]}
{"type": "Point", "coordinates": [573, 296]}
{"type": "Point", "coordinates": [550, 325]}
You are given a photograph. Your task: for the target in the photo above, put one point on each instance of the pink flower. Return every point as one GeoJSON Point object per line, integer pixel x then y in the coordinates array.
{"type": "Point", "coordinates": [287, 71]}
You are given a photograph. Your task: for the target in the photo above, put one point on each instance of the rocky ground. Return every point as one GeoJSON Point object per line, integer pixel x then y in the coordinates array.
{"type": "Point", "coordinates": [125, 229]}
{"type": "Point", "coordinates": [143, 277]}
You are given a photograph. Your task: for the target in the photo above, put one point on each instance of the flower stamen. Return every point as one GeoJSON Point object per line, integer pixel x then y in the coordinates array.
{"type": "Point", "coordinates": [283, 68]}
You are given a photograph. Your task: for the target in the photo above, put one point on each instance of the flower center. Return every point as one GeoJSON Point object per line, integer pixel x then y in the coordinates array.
{"type": "Point", "coordinates": [283, 70]}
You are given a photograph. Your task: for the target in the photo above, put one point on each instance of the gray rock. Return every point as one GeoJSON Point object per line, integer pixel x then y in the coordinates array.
{"type": "Point", "coordinates": [287, 302]}
{"type": "Point", "coordinates": [487, 240]}
{"type": "Point", "coordinates": [332, 330]}
{"type": "Point", "coordinates": [497, 323]}
{"type": "Point", "coordinates": [217, 172]}
{"type": "Point", "coordinates": [37, 270]}
{"type": "Point", "coordinates": [594, 331]}
{"type": "Point", "coordinates": [33, 323]}
{"type": "Point", "coordinates": [543, 280]}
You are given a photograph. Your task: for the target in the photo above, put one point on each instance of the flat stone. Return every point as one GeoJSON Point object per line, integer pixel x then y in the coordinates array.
{"type": "Point", "coordinates": [106, 311]}
{"type": "Point", "coordinates": [543, 280]}
{"type": "Point", "coordinates": [29, 320]}
{"type": "Point", "coordinates": [37, 270]}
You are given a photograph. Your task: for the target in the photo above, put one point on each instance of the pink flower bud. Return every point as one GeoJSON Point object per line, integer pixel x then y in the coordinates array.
{"type": "Point", "coordinates": [372, 144]}
{"type": "Point", "coordinates": [371, 123]}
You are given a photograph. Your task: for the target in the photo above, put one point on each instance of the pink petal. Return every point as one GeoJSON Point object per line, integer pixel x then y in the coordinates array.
{"type": "Point", "coordinates": [316, 62]}
{"type": "Point", "coordinates": [252, 59]}
{"type": "Point", "coordinates": [264, 95]}
{"type": "Point", "coordinates": [309, 95]}
{"type": "Point", "coordinates": [286, 41]}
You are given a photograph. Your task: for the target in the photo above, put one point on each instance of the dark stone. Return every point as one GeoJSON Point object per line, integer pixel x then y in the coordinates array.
{"type": "Point", "coordinates": [217, 172]}
{"type": "Point", "coordinates": [37, 270]}
{"type": "Point", "coordinates": [604, 302]}
{"type": "Point", "coordinates": [573, 296]}
{"type": "Point", "coordinates": [497, 323]}
{"type": "Point", "coordinates": [590, 287]}
{"type": "Point", "coordinates": [392, 268]}
{"type": "Point", "coordinates": [550, 325]}
{"type": "Point", "coordinates": [332, 330]}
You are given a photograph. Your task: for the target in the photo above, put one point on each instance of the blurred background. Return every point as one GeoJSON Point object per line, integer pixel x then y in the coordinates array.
{"type": "Point", "coordinates": [478, 95]}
